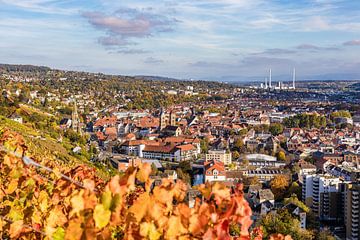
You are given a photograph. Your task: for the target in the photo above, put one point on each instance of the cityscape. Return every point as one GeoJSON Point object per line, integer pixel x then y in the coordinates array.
{"type": "Point", "coordinates": [173, 146]}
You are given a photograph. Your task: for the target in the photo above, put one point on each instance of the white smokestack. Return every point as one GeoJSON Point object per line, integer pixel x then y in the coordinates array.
{"type": "Point", "coordinates": [294, 76]}
{"type": "Point", "coordinates": [270, 78]}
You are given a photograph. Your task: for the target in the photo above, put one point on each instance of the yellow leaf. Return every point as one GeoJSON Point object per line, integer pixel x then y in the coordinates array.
{"type": "Point", "coordinates": [149, 231]}
{"type": "Point", "coordinates": [12, 186]}
{"type": "Point", "coordinates": [101, 216]}
{"type": "Point", "coordinates": [77, 203]}
{"type": "Point", "coordinates": [59, 234]}
{"type": "Point", "coordinates": [106, 199]}
{"type": "Point", "coordinates": [175, 228]}
{"type": "Point", "coordinates": [43, 201]}
{"type": "Point", "coordinates": [143, 174]}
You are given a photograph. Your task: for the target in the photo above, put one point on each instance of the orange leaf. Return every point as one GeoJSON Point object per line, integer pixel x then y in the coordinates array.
{"type": "Point", "coordinates": [144, 172]}
{"type": "Point", "coordinates": [16, 228]}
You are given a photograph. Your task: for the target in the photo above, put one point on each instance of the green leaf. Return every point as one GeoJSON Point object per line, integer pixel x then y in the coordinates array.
{"type": "Point", "coordinates": [115, 202]}
{"type": "Point", "coordinates": [59, 234]}
{"type": "Point", "coordinates": [106, 199]}
{"type": "Point", "coordinates": [101, 216]}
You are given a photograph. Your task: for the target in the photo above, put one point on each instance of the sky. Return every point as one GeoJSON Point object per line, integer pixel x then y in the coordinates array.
{"type": "Point", "coordinates": [225, 40]}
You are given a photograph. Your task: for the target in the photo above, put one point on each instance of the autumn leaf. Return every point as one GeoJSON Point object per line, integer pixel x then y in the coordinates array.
{"type": "Point", "coordinates": [106, 199]}
{"type": "Point", "coordinates": [12, 186]}
{"type": "Point", "coordinates": [74, 231]}
{"type": "Point", "coordinates": [149, 231]}
{"type": "Point", "coordinates": [77, 203]}
{"type": "Point", "coordinates": [101, 216]}
{"type": "Point", "coordinates": [16, 228]}
{"type": "Point", "coordinates": [175, 228]}
{"type": "Point", "coordinates": [43, 201]}
{"type": "Point", "coordinates": [144, 172]}
{"type": "Point", "coordinates": [140, 206]}
{"type": "Point", "coordinates": [59, 234]}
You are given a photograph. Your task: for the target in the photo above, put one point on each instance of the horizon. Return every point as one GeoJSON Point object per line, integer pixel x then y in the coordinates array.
{"type": "Point", "coordinates": [224, 41]}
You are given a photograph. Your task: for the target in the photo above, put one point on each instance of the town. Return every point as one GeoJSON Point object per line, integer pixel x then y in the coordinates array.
{"type": "Point", "coordinates": [295, 150]}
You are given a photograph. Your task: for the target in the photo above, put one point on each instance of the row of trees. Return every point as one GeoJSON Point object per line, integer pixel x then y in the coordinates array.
{"type": "Point", "coordinates": [305, 121]}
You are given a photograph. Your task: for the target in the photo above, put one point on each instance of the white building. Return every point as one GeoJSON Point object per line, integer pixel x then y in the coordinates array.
{"type": "Point", "coordinates": [219, 155]}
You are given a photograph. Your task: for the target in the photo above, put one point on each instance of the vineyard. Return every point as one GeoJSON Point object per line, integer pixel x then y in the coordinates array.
{"type": "Point", "coordinates": [38, 203]}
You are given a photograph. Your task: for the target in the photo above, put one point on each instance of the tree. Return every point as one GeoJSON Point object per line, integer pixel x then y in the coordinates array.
{"type": "Point", "coordinates": [295, 189]}
{"type": "Point", "coordinates": [341, 113]}
{"type": "Point", "coordinates": [238, 145]}
{"type": "Point", "coordinates": [281, 156]}
{"type": "Point", "coordinates": [247, 181]}
{"type": "Point", "coordinates": [235, 155]}
{"type": "Point", "coordinates": [276, 129]}
{"type": "Point", "coordinates": [154, 170]}
{"type": "Point", "coordinates": [283, 222]}
{"type": "Point", "coordinates": [204, 145]}
{"type": "Point", "coordinates": [183, 176]}
{"type": "Point", "coordinates": [325, 234]}
{"type": "Point", "coordinates": [278, 185]}
{"type": "Point", "coordinates": [185, 166]}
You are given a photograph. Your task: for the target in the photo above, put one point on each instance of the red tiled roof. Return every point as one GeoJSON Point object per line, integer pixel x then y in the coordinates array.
{"type": "Point", "coordinates": [186, 147]}
{"type": "Point", "coordinates": [105, 121]}
{"type": "Point", "coordinates": [161, 149]}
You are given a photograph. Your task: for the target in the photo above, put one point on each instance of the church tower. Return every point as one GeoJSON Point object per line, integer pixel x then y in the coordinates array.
{"type": "Point", "coordinates": [162, 119]}
{"type": "Point", "coordinates": [172, 118]}
{"type": "Point", "coordinates": [75, 121]}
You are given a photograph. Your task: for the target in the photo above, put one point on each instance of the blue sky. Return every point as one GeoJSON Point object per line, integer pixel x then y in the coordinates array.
{"type": "Point", "coordinates": [200, 39]}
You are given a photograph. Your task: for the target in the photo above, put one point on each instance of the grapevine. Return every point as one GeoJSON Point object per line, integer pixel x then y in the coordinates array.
{"type": "Point", "coordinates": [40, 205]}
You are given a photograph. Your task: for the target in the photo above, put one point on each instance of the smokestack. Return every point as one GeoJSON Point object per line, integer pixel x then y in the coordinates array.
{"type": "Point", "coordinates": [270, 78]}
{"type": "Point", "coordinates": [266, 85]}
{"type": "Point", "coordinates": [294, 76]}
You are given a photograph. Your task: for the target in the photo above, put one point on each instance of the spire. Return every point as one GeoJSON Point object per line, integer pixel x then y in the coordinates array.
{"type": "Point", "coordinates": [75, 121]}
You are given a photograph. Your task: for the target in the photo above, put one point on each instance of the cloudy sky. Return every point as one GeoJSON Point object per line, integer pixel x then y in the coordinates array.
{"type": "Point", "coordinates": [201, 39]}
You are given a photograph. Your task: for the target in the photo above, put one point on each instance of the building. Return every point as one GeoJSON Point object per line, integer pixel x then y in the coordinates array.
{"type": "Point", "coordinates": [262, 160]}
{"type": "Point", "coordinates": [263, 175]}
{"type": "Point", "coordinates": [322, 194]}
{"type": "Point", "coordinates": [351, 211]}
{"type": "Point", "coordinates": [214, 171]}
{"type": "Point", "coordinates": [219, 155]}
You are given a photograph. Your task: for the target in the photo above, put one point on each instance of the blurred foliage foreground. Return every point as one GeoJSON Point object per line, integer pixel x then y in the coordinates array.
{"type": "Point", "coordinates": [38, 204]}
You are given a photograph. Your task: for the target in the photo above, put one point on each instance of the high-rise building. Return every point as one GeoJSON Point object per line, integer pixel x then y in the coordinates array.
{"type": "Point", "coordinates": [322, 194]}
{"type": "Point", "coordinates": [351, 211]}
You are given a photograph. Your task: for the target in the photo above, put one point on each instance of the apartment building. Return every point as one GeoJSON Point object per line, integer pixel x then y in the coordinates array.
{"type": "Point", "coordinates": [220, 156]}
{"type": "Point", "coordinates": [322, 194]}
{"type": "Point", "coordinates": [351, 211]}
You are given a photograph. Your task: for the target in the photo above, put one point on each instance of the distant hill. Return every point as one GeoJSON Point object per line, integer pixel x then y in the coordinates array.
{"type": "Point", "coordinates": [23, 68]}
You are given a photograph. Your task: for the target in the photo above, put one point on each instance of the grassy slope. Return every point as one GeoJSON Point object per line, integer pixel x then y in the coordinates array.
{"type": "Point", "coordinates": [41, 145]}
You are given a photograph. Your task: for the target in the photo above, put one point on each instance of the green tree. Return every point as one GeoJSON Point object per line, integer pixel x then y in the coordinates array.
{"type": "Point", "coordinates": [276, 129]}
{"type": "Point", "coordinates": [204, 145]}
{"type": "Point", "coordinates": [235, 155]}
{"type": "Point", "coordinates": [283, 222]}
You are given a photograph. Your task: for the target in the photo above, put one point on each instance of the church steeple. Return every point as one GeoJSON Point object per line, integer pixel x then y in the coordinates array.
{"type": "Point", "coordinates": [162, 119]}
{"type": "Point", "coordinates": [75, 121]}
{"type": "Point", "coordinates": [172, 118]}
